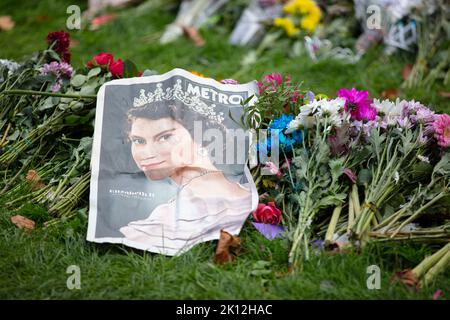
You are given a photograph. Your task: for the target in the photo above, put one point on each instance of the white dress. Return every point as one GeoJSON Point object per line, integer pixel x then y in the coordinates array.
{"type": "Point", "coordinates": [188, 219]}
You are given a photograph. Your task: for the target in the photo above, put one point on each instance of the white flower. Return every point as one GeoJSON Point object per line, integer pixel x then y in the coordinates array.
{"type": "Point", "coordinates": [391, 111]}
{"type": "Point", "coordinates": [389, 108]}
{"type": "Point", "coordinates": [396, 177]}
{"type": "Point", "coordinates": [293, 125]}
{"type": "Point", "coordinates": [330, 107]}
{"type": "Point", "coordinates": [423, 158]}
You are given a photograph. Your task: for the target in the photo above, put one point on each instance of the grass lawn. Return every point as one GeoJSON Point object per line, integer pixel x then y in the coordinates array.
{"type": "Point", "coordinates": [33, 265]}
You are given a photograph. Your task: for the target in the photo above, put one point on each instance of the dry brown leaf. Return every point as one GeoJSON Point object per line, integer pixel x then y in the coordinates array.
{"type": "Point", "coordinates": [73, 43]}
{"type": "Point", "coordinates": [193, 35]}
{"type": "Point", "coordinates": [406, 277]}
{"type": "Point", "coordinates": [41, 18]}
{"type": "Point", "coordinates": [444, 94]}
{"type": "Point", "coordinates": [23, 223]}
{"type": "Point", "coordinates": [34, 180]}
{"type": "Point", "coordinates": [6, 23]}
{"type": "Point", "coordinates": [227, 245]}
{"type": "Point", "coordinates": [406, 71]}
{"type": "Point", "coordinates": [390, 94]}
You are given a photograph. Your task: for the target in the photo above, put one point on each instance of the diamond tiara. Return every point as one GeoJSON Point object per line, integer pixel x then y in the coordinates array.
{"type": "Point", "coordinates": [192, 101]}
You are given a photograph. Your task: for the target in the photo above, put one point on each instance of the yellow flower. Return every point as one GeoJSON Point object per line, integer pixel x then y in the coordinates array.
{"type": "Point", "coordinates": [308, 24]}
{"type": "Point", "coordinates": [290, 8]}
{"type": "Point", "coordinates": [288, 26]}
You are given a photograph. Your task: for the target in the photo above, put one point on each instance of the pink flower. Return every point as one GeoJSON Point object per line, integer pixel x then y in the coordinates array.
{"type": "Point", "coordinates": [273, 168]}
{"type": "Point", "coordinates": [269, 214]}
{"type": "Point", "coordinates": [441, 127]}
{"type": "Point", "coordinates": [271, 82]}
{"type": "Point", "coordinates": [437, 294]}
{"type": "Point", "coordinates": [116, 68]}
{"type": "Point", "coordinates": [101, 20]}
{"type": "Point", "coordinates": [358, 104]}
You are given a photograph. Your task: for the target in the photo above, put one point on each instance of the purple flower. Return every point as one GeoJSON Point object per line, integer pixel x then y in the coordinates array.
{"type": "Point", "coordinates": [310, 96]}
{"type": "Point", "coordinates": [66, 69]}
{"type": "Point", "coordinates": [229, 81]}
{"type": "Point", "coordinates": [56, 86]}
{"type": "Point", "coordinates": [59, 71]}
{"type": "Point", "coordinates": [358, 104]}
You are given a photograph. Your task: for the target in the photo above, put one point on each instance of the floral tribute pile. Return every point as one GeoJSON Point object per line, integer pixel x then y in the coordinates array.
{"type": "Point", "coordinates": [46, 126]}
{"type": "Point", "coordinates": [352, 169]}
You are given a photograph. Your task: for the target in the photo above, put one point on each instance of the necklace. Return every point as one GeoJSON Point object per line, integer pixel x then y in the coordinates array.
{"type": "Point", "coordinates": [202, 173]}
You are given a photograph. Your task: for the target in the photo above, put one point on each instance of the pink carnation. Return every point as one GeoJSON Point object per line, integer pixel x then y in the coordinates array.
{"type": "Point", "coordinates": [441, 127]}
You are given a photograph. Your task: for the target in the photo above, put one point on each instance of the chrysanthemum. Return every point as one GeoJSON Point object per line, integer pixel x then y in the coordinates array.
{"type": "Point", "coordinates": [442, 130]}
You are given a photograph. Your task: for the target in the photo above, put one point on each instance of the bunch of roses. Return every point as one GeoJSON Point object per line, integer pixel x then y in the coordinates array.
{"type": "Point", "coordinates": [106, 61]}
{"type": "Point", "coordinates": [61, 43]}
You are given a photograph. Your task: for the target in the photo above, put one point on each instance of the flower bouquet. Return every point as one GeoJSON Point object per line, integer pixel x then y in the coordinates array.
{"type": "Point", "coordinates": [354, 168]}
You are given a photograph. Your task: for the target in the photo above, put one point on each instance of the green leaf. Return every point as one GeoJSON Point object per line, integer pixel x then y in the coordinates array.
{"type": "Point", "coordinates": [260, 272]}
{"type": "Point", "coordinates": [48, 103]}
{"type": "Point", "coordinates": [129, 69]}
{"type": "Point", "coordinates": [88, 89]}
{"type": "Point", "coordinates": [261, 264]}
{"type": "Point", "coordinates": [336, 167]}
{"type": "Point", "coordinates": [364, 176]}
{"type": "Point", "coordinates": [78, 80]}
{"type": "Point", "coordinates": [94, 72]}
{"type": "Point", "coordinates": [14, 136]}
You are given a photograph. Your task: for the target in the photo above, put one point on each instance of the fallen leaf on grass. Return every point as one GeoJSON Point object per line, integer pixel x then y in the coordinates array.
{"type": "Point", "coordinates": [193, 35]}
{"type": "Point", "coordinates": [406, 71]}
{"type": "Point", "coordinates": [390, 94]}
{"type": "Point", "coordinates": [6, 23]}
{"type": "Point", "coordinates": [40, 18]}
{"type": "Point", "coordinates": [444, 94]}
{"type": "Point", "coordinates": [34, 180]}
{"type": "Point", "coordinates": [73, 43]}
{"type": "Point", "coordinates": [23, 223]}
{"type": "Point", "coordinates": [227, 245]}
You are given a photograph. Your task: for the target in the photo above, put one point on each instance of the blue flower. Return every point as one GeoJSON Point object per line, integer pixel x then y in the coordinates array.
{"type": "Point", "coordinates": [286, 141]}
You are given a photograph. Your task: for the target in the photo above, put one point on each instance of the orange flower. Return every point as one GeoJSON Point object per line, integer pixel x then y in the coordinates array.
{"type": "Point", "coordinates": [199, 74]}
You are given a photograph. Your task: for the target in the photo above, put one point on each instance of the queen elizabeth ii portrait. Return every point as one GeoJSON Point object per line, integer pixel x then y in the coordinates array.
{"type": "Point", "coordinates": [204, 196]}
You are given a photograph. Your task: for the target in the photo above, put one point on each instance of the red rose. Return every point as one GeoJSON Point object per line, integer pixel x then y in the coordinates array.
{"type": "Point", "coordinates": [269, 214]}
{"type": "Point", "coordinates": [90, 64]}
{"type": "Point", "coordinates": [116, 68]}
{"type": "Point", "coordinates": [104, 59]}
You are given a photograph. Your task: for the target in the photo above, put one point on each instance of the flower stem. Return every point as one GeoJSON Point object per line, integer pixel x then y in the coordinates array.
{"type": "Point", "coordinates": [49, 94]}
